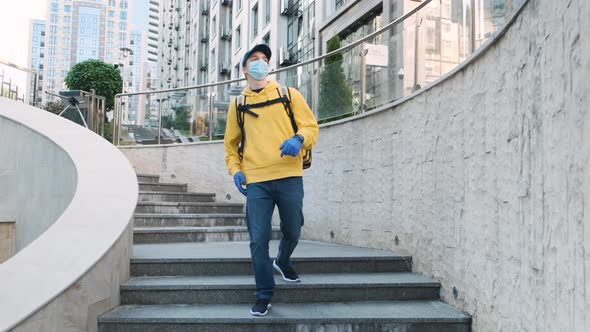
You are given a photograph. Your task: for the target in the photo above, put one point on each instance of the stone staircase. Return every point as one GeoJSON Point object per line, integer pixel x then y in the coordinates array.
{"type": "Point", "coordinates": [191, 271]}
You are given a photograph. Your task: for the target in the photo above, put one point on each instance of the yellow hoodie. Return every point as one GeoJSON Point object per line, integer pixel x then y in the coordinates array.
{"type": "Point", "coordinates": [264, 135]}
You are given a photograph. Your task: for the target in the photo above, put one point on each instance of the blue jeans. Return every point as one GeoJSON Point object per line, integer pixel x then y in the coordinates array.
{"type": "Point", "coordinates": [287, 195]}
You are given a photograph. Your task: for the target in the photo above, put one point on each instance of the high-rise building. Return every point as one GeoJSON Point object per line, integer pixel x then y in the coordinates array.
{"type": "Point", "coordinates": [136, 77]}
{"type": "Point", "coordinates": [77, 30]}
{"type": "Point", "coordinates": [36, 60]}
{"type": "Point", "coordinates": [153, 30]}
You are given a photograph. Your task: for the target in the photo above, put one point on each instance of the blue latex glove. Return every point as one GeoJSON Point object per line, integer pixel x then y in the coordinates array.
{"type": "Point", "coordinates": [291, 146]}
{"type": "Point", "coordinates": [239, 179]}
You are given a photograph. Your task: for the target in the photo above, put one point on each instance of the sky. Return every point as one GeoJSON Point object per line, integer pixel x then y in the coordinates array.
{"type": "Point", "coordinates": [15, 16]}
{"type": "Point", "coordinates": [14, 32]}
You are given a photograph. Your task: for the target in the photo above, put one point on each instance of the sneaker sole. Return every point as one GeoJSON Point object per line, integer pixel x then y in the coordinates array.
{"type": "Point", "coordinates": [261, 313]}
{"type": "Point", "coordinates": [278, 269]}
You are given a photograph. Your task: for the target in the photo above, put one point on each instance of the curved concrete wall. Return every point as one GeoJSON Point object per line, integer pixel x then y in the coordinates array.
{"type": "Point", "coordinates": [37, 181]}
{"type": "Point", "coordinates": [483, 178]}
{"type": "Point", "coordinates": [84, 192]}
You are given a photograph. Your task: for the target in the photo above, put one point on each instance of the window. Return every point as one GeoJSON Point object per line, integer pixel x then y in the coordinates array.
{"type": "Point", "coordinates": [67, 19]}
{"type": "Point", "coordinates": [111, 13]}
{"type": "Point", "coordinates": [111, 3]}
{"type": "Point", "coordinates": [123, 26]}
{"type": "Point", "coordinates": [111, 24]}
{"type": "Point", "coordinates": [238, 6]}
{"type": "Point", "coordinates": [67, 30]}
{"type": "Point", "coordinates": [266, 12]}
{"type": "Point", "coordinates": [123, 15]}
{"type": "Point", "coordinates": [255, 21]}
{"type": "Point", "coordinates": [266, 39]}
{"type": "Point", "coordinates": [67, 8]}
{"type": "Point", "coordinates": [238, 37]}
{"type": "Point", "coordinates": [55, 7]}
{"type": "Point", "coordinates": [214, 26]}
{"type": "Point", "coordinates": [53, 19]}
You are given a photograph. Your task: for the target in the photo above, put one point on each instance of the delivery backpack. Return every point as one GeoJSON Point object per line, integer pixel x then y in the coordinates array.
{"type": "Point", "coordinates": [284, 98]}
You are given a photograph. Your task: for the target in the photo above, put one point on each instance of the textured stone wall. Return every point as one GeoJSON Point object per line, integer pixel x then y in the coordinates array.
{"type": "Point", "coordinates": [7, 240]}
{"type": "Point", "coordinates": [483, 178]}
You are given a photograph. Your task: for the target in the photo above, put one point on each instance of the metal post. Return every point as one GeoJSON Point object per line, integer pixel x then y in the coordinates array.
{"type": "Point", "coordinates": [103, 115]}
{"type": "Point", "coordinates": [115, 123]}
{"type": "Point", "coordinates": [363, 78]}
{"type": "Point", "coordinates": [416, 45]}
{"type": "Point", "coordinates": [120, 119]}
{"type": "Point", "coordinates": [159, 120]}
{"type": "Point", "coordinates": [211, 98]}
{"type": "Point", "coordinates": [2, 85]}
{"type": "Point", "coordinates": [35, 85]}
{"type": "Point", "coordinates": [472, 26]}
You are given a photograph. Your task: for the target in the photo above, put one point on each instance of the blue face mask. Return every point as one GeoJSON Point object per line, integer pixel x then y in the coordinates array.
{"type": "Point", "coordinates": [258, 69]}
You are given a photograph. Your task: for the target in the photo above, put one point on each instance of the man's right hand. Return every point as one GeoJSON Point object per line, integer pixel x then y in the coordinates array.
{"type": "Point", "coordinates": [240, 180]}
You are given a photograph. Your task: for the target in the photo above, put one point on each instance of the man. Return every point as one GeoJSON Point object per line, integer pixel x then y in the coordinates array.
{"type": "Point", "coordinates": [270, 168]}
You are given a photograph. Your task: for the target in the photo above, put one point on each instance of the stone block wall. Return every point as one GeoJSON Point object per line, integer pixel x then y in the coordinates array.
{"type": "Point", "coordinates": [484, 179]}
{"type": "Point", "coordinates": [7, 240]}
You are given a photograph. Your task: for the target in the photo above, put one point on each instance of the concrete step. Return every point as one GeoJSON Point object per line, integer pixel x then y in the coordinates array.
{"type": "Point", "coordinates": [162, 196]}
{"type": "Point", "coordinates": [148, 178]}
{"type": "Point", "coordinates": [189, 220]}
{"type": "Point", "coordinates": [407, 316]}
{"type": "Point", "coordinates": [194, 234]}
{"type": "Point", "coordinates": [313, 288]}
{"type": "Point", "coordinates": [163, 187]}
{"type": "Point", "coordinates": [188, 207]}
{"type": "Point", "coordinates": [233, 258]}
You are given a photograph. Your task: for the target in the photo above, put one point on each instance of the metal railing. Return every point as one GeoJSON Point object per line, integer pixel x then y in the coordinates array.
{"type": "Point", "coordinates": [13, 93]}
{"type": "Point", "coordinates": [375, 67]}
{"type": "Point", "coordinates": [86, 108]}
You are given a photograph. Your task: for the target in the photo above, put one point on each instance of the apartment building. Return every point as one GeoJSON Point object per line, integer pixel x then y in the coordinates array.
{"type": "Point", "coordinates": [77, 30]}
{"type": "Point", "coordinates": [36, 60]}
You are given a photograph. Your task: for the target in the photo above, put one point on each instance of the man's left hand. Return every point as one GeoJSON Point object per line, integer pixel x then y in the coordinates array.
{"type": "Point", "coordinates": [291, 146]}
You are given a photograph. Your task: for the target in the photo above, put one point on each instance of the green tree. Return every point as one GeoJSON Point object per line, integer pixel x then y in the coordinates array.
{"type": "Point", "coordinates": [335, 93]}
{"type": "Point", "coordinates": [98, 75]}
{"type": "Point", "coordinates": [181, 118]}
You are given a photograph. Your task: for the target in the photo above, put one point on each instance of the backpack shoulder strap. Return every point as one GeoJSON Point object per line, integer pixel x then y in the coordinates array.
{"type": "Point", "coordinates": [241, 118]}
{"type": "Point", "coordinates": [286, 95]}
